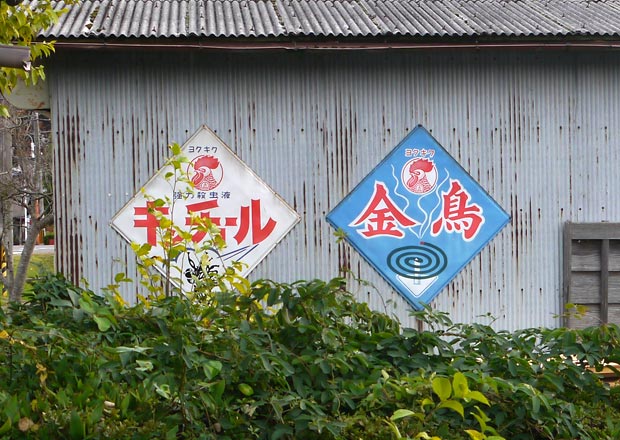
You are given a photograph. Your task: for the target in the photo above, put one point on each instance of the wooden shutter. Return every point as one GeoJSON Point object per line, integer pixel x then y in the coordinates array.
{"type": "Point", "coordinates": [592, 272]}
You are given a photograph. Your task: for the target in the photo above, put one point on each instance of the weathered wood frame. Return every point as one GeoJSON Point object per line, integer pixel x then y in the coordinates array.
{"type": "Point", "coordinates": [589, 231]}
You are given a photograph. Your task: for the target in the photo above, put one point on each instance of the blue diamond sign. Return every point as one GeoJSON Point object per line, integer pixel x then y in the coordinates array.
{"type": "Point", "coordinates": [418, 218]}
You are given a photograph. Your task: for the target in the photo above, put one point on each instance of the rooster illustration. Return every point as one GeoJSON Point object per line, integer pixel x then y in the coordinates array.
{"type": "Point", "coordinates": [203, 178]}
{"type": "Point", "coordinates": [418, 182]}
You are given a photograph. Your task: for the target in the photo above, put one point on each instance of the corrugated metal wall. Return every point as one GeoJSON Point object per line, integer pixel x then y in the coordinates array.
{"type": "Point", "coordinates": [539, 131]}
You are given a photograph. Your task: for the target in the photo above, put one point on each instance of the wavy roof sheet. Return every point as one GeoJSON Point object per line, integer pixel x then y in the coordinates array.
{"type": "Point", "coordinates": [326, 18]}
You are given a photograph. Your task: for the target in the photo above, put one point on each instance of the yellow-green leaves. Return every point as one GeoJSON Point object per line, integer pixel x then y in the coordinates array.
{"type": "Point", "coordinates": [175, 149]}
{"type": "Point", "coordinates": [20, 25]}
{"type": "Point", "coordinates": [452, 394]}
{"type": "Point", "coordinates": [245, 389]}
{"type": "Point", "coordinates": [183, 257]}
{"type": "Point", "coordinates": [442, 387]}
{"type": "Point", "coordinates": [459, 385]}
{"type": "Point", "coordinates": [102, 315]}
{"type": "Point", "coordinates": [449, 393]}
{"type": "Point", "coordinates": [400, 413]}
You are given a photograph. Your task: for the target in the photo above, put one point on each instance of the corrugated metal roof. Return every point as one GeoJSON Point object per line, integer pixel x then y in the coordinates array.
{"type": "Point", "coordinates": [349, 18]}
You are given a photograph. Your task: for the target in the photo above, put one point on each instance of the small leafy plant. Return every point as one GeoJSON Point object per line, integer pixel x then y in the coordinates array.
{"type": "Point", "coordinates": [176, 263]}
{"type": "Point", "coordinates": [452, 395]}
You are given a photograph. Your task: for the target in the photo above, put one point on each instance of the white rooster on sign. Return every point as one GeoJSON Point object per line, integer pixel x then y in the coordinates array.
{"type": "Point", "coordinates": [418, 182]}
{"type": "Point", "coordinates": [204, 167]}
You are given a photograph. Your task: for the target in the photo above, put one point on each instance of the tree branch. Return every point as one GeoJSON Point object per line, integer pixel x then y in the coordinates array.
{"type": "Point", "coordinates": [36, 226]}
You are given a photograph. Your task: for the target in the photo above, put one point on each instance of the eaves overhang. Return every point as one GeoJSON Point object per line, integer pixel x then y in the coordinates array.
{"type": "Point", "coordinates": [341, 44]}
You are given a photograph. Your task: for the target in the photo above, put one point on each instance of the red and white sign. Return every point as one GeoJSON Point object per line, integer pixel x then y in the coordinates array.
{"type": "Point", "coordinates": [251, 217]}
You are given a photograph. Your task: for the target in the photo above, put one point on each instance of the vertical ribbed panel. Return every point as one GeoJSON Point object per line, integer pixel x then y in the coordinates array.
{"type": "Point", "coordinates": [539, 132]}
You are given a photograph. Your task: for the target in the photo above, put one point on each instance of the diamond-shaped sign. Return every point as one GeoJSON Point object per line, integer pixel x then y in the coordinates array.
{"type": "Point", "coordinates": [252, 218]}
{"type": "Point", "coordinates": [418, 218]}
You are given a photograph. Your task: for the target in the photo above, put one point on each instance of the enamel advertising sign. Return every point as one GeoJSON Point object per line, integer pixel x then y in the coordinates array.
{"type": "Point", "coordinates": [251, 217]}
{"type": "Point", "coordinates": [418, 218]}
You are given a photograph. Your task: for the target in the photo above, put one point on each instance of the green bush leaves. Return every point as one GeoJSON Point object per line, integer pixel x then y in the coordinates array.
{"type": "Point", "coordinates": [289, 361]}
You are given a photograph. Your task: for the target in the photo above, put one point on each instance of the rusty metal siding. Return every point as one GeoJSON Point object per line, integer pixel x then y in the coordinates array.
{"type": "Point", "coordinates": [538, 131]}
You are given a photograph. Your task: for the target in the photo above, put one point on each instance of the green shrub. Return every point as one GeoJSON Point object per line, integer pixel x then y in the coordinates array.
{"type": "Point", "coordinates": [299, 361]}
{"type": "Point", "coordinates": [48, 238]}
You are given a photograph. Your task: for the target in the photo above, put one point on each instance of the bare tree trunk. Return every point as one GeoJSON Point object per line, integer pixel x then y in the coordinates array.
{"type": "Point", "coordinates": [22, 186]}
{"type": "Point", "coordinates": [23, 164]}
{"type": "Point", "coordinates": [6, 241]}
{"type": "Point", "coordinates": [19, 282]}
{"type": "Point", "coordinates": [6, 219]}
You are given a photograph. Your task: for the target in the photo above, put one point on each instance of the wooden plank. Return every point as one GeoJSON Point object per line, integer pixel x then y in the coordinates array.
{"type": "Point", "coordinates": [604, 279]}
{"type": "Point", "coordinates": [589, 319]}
{"type": "Point", "coordinates": [585, 288]}
{"type": "Point", "coordinates": [586, 255]}
{"type": "Point", "coordinates": [614, 287]}
{"type": "Point", "coordinates": [614, 314]}
{"type": "Point", "coordinates": [567, 273]}
{"type": "Point", "coordinates": [595, 231]}
{"type": "Point", "coordinates": [609, 374]}
{"type": "Point", "coordinates": [566, 264]}
{"type": "Point", "coordinates": [614, 255]}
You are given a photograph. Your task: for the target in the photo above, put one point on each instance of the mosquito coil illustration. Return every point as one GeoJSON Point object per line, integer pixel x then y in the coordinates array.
{"type": "Point", "coordinates": [418, 262]}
